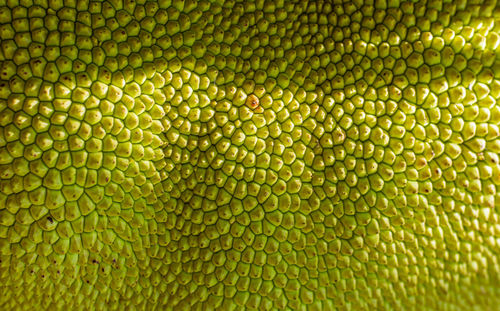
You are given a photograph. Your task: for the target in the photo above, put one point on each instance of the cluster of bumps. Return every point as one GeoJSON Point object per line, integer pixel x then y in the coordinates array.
{"type": "Point", "coordinates": [200, 155]}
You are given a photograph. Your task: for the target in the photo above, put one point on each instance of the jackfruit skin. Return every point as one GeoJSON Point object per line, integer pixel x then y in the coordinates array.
{"type": "Point", "coordinates": [267, 155]}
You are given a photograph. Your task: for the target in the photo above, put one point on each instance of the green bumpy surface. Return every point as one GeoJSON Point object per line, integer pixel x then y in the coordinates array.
{"type": "Point", "coordinates": [249, 155]}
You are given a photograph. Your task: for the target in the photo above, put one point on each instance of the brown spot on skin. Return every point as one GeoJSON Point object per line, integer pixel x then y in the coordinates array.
{"type": "Point", "coordinates": [252, 101]}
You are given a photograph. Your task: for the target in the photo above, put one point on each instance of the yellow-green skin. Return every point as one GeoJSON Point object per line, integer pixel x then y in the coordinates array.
{"type": "Point", "coordinates": [267, 155]}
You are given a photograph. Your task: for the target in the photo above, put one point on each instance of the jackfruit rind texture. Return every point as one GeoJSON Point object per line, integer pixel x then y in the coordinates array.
{"type": "Point", "coordinates": [249, 155]}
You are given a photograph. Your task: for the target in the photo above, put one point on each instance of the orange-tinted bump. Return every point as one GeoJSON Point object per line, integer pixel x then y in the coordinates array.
{"type": "Point", "coordinates": [253, 103]}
